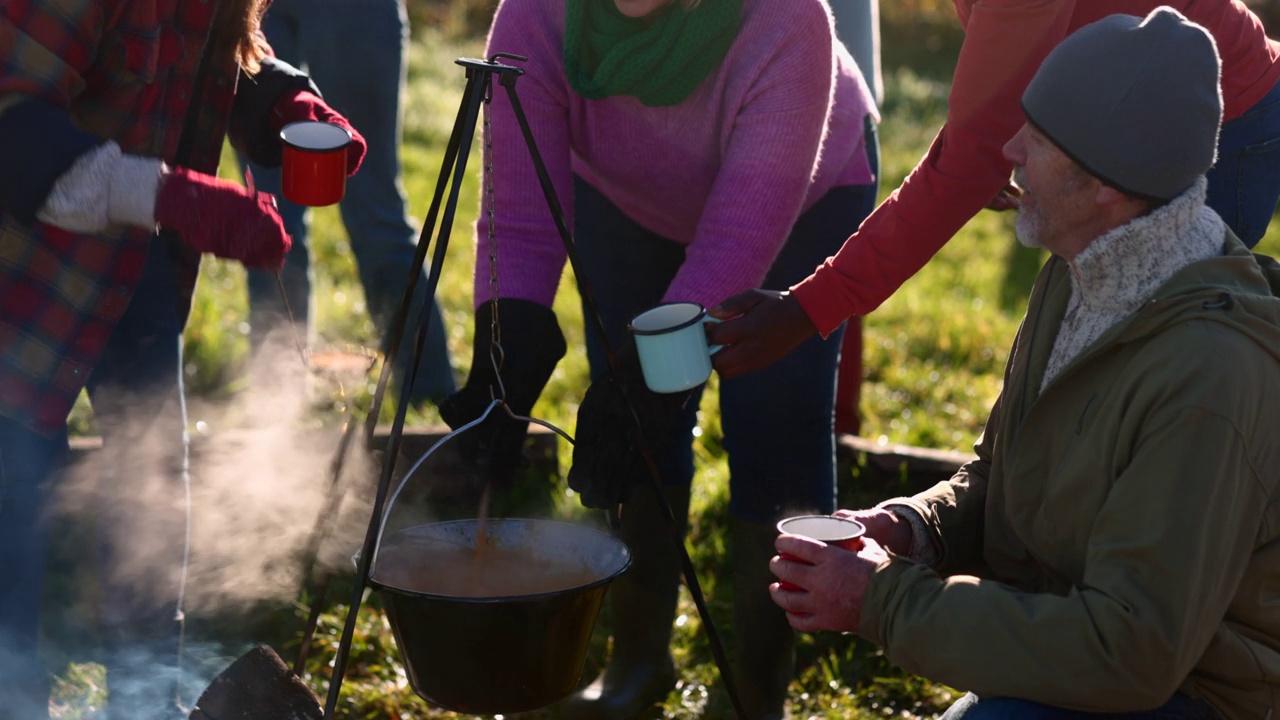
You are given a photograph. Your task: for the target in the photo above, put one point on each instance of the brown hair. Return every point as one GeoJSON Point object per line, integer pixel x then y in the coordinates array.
{"type": "Point", "coordinates": [238, 32]}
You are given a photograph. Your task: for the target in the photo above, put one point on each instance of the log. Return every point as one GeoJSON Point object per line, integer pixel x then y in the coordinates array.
{"type": "Point", "coordinates": [257, 686]}
{"type": "Point", "coordinates": [888, 469]}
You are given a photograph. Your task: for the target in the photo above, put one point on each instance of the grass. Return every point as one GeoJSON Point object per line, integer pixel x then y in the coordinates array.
{"type": "Point", "coordinates": [933, 359]}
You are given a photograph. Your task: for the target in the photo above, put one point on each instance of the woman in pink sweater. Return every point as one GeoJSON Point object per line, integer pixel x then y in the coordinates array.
{"type": "Point", "coordinates": [699, 149]}
{"type": "Point", "coordinates": [964, 171]}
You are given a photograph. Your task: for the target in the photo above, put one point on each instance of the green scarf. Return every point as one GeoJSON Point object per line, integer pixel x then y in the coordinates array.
{"type": "Point", "coordinates": [660, 58]}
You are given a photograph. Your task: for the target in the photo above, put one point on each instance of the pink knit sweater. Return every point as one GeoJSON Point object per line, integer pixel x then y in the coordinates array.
{"type": "Point", "coordinates": [726, 172]}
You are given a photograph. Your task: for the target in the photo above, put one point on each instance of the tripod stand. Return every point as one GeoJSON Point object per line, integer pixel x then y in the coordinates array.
{"type": "Point", "coordinates": [478, 91]}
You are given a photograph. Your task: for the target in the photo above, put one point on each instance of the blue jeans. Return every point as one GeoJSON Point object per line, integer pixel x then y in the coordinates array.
{"type": "Point", "coordinates": [354, 50]}
{"type": "Point", "coordinates": [858, 29]}
{"type": "Point", "coordinates": [971, 707]}
{"type": "Point", "coordinates": [1244, 184]}
{"type": "Point", "coordinates": [779, 422]}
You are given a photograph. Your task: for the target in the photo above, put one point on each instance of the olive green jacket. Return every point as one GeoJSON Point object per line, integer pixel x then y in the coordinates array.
{"type": "Point", "coordinates": [1117, 538]}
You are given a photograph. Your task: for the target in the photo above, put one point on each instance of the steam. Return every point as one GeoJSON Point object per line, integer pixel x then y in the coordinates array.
{"type": "Point", "coordinates": [259, 492]}
{"type": "Point", "coordinates": [259, 477]}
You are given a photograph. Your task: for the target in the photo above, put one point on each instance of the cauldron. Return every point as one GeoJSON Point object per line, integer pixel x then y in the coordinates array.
{"type": "Point", "coordinates": [498, 655]}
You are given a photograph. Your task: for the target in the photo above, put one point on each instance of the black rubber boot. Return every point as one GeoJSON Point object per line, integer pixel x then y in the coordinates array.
{"type": "Point", "coordinates": [642, 605]}
{"type": "Point", "coordinates": [765, 642]}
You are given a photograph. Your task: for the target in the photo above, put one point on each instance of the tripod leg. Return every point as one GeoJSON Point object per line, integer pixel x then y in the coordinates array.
{"type": "Point", "coordinates": [588, 300]}
{"type": "Point", "coordinates": [463, 132]}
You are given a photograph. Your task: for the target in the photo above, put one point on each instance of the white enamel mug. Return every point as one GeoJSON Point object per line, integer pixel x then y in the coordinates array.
{"type": "Point", "coordinates": [672, 346]}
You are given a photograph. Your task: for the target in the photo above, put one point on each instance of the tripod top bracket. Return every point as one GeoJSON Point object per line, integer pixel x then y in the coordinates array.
{"type": "Point", "coordinates": [492, 65]}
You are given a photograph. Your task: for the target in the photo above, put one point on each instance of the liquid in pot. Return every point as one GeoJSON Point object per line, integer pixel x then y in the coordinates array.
{"type": "Point", "coordinates": [460, 571]}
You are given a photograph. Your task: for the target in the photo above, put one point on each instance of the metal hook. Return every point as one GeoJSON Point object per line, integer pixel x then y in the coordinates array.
{"type": "Point", "coordinates": [405, 480]}
{"type": "Point", "coordinates": [511, 414]}
{"type": "Point", "coordinates": [497, 358]}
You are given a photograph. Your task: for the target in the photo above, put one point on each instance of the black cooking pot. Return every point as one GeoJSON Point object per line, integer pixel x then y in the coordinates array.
{"type": "Point", "coordinates": [498, 655]}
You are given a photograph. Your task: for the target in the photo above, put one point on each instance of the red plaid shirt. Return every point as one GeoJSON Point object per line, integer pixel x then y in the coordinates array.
{"type": "Point", "coordinates": [126, 71]}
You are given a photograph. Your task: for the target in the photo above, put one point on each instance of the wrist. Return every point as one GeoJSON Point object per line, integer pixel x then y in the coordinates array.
{"type": "Point", "coordinates": [295, 106]}
{"type": "Point", "coordinates": [901, 535]}
{"type": "Point", "coordinates": [182, 197]}
{"type": "Point", "coordinates": [175, 196]}
{"type": "Point", "coordinates": [820, 304]}
{"type": "Point", "coordinates": [916, 539]}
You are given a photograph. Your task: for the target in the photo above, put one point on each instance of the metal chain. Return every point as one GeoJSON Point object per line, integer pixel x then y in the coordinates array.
{"type": "Point", "coordinates": [496, 355]}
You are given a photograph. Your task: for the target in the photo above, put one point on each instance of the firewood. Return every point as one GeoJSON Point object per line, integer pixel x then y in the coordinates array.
{"type": "Point", "coordinates": [257, 686]}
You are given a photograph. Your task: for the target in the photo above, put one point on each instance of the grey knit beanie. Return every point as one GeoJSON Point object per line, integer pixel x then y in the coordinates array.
{"type": "Point", "coordinates": [1135, 101]}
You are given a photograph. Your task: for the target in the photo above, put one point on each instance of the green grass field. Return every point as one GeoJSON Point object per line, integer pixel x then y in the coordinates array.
{"type": "Point", "coordinates": [934, 354]}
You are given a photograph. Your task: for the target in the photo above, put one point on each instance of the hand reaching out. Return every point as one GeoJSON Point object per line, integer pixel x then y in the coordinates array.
{"type": "Point", "coordinates": [302, 106]}
{"type": "Point", "coordinates": [759, 328]}
{"type": "Point", "coordinates": [532, 345]}
{"type": "Point", "coordinates": [607, 457]}
{"type": "Point", "coordinates": [222, 218]}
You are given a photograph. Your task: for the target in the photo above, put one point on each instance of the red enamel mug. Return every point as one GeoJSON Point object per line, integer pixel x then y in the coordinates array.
{"type": "Point", "coordinates": [314, 170]}
{"type": "Point", "coordinates": [839, 531]}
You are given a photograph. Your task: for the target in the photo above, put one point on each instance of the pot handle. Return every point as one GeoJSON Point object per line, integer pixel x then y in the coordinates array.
{"type": "Point", "coordinates": [386, 514]}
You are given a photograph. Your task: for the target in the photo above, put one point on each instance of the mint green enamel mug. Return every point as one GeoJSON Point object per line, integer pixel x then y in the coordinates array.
{"type": "Point", "coordinates": [672, 346]}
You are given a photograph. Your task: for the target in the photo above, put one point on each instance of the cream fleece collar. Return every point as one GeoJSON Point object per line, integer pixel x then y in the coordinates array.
{"type": "Point", "coordinates": [1121, 269]}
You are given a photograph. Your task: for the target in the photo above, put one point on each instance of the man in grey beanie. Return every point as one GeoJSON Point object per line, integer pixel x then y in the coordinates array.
{"type": "Point", "coordinates": [1134, 101]}
{"type": "Point", "coordinates": [1114, 546]}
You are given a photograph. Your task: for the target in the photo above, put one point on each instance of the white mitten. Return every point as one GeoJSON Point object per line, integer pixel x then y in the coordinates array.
{"type": "Point", "coordinates": [105, 186]}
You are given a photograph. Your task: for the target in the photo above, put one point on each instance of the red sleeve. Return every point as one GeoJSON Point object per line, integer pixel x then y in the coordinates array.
{"type": "Point", "coordinates": [1005, 41]}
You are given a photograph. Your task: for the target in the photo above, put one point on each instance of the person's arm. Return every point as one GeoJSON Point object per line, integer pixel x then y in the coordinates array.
{"type": "Point", "coordinates": [1163, 557]}
{"type": "Point", "coordinates": [530, 253]}
{"type": "Point", "coordinates": [39, 144]}
{"type": "Point", "coordinates": [47, 49]}
{"type": "Point", "coordinates": [946, 519]}
{"type": "Point", "coordinates": [1005, 41]}
{"type": "Point", "coordinates": [55, 172]}
{"type": "Point", "coordinates": [940, 527]}
{"type": "Point", "coordinates": [249, 128]}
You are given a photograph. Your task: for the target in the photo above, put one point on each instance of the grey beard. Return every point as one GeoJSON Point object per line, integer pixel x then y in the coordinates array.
{"type": "Point", "coordinates": [1025, 230]}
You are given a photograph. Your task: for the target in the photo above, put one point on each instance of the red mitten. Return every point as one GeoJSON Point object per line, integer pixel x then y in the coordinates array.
{"type": "Point", "coordinates": [302, 105]}
{"type": "Point", "coordinates": [223, 218]}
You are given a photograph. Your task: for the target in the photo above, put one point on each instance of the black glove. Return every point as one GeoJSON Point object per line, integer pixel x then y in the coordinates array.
{"type": "Point", "coordinates": [532, 344]}
{"type": "Point", "coordinates": [606, 450]}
